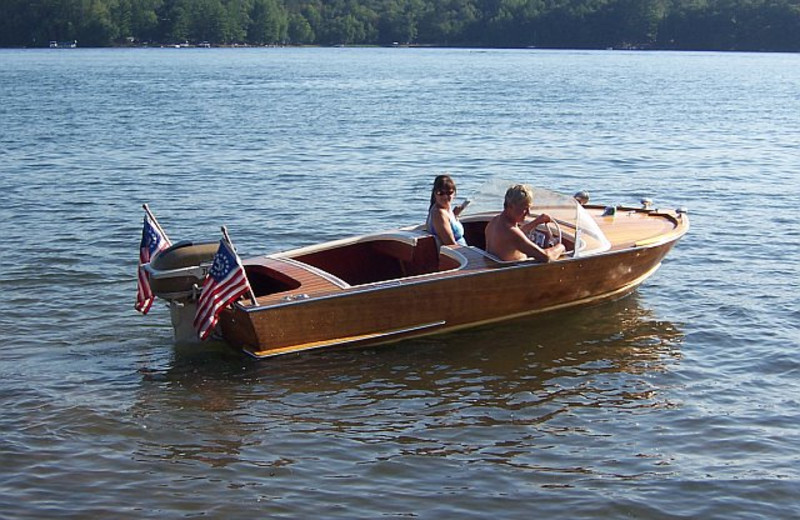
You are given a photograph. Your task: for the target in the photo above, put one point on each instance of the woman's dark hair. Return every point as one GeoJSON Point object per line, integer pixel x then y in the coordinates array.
{"type": "Point", "coordinates": [441, 182]}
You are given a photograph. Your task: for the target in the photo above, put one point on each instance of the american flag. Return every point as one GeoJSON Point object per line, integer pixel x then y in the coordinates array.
{"type": "Point", "coordinates": [153, 241]}
{"type": "Point", "coordinates": [224, 283]}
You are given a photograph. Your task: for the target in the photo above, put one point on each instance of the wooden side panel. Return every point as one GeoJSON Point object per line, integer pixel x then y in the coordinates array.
{"type": "Point", "coordinates": [456, 301]}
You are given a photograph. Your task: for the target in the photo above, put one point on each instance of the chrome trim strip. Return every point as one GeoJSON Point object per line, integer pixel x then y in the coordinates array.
{"type": "Point", "coordinates": [198, 271]}
{"type": "Point", "coordinates": [289, 350]}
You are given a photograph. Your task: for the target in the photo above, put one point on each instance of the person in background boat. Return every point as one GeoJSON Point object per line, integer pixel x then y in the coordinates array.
{"type": "Point", "coordinates": [507, 233]}
{"type": "Point", "coordinates": [442, 219]}
{"type": "Point", "coordinates": [582, 197]}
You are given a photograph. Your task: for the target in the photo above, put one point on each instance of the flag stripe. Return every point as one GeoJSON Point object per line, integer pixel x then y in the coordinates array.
{"type": "Point", "coordinates": [208, 315]}
{"type": "Point", "coordinates": [217, 292]}
{"type": "Point", "coordinates": [153, 241]}
{"type": "Point", "coordinates": [225, 282]}
{"type": "Point", "coordinates": [144, 295]}
{"type": "Point", "coordinates": [216, 303]}
{"type": "Point", "coordinates": [210, 311]}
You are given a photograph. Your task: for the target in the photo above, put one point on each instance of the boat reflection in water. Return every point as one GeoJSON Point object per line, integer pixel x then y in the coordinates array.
{"type": "Point", "coordinates": [529, 380]}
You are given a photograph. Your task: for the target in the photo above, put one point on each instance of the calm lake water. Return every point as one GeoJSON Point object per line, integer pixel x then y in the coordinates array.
{"type": "Point", "coordinates": [679, 401]}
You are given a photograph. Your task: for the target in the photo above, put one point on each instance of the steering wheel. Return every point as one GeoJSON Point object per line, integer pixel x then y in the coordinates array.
{"type": "Point", "coordinates": [547, 237]}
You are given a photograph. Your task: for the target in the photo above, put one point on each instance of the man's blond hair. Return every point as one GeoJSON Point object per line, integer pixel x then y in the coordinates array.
{"type": "Point", "coordinates": [518, 195]}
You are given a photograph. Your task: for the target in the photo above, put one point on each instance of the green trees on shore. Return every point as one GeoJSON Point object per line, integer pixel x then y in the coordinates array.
{"type": "Point", "coordinates": [662, 24]}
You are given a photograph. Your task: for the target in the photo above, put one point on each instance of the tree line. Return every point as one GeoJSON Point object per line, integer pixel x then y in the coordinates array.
{"type": "Point", "coordinates": [772, 25]}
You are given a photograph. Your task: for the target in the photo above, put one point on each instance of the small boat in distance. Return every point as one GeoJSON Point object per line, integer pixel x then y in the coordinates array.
{"type": "Point", "coordinates": [388, 286]}
{"type": "Point", "coordinates": [63, 45]}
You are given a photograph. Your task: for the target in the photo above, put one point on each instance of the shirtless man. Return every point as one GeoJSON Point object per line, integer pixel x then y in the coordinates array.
{"type": "Point", "coordinates": [507, 239]}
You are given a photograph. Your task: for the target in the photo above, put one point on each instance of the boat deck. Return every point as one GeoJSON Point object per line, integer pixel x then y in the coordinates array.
{"type": "Point", "coordinates": [632, 227]}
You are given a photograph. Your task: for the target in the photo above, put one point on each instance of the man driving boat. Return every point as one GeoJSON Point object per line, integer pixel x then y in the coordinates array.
{"type": "Point", "coordinates": [507, 233]}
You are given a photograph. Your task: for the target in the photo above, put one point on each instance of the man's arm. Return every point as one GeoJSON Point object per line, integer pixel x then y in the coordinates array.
{"type": "Point", "coordinates": [523, 243]}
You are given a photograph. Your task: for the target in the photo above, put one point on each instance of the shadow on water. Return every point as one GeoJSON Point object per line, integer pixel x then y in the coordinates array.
{"type": "Point", "coordinates": [542, 372]}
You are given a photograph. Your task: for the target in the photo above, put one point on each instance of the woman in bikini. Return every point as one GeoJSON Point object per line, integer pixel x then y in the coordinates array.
{"type": "Point", "coordinates": [442, 219]}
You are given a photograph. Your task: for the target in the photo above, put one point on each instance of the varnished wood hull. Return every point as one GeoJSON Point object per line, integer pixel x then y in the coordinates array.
{"type": "Point", "coordinates": [480, 291]}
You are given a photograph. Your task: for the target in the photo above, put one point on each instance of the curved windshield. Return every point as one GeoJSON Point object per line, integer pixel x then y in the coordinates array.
{"type": "Point", "coordinates": [571, 216]}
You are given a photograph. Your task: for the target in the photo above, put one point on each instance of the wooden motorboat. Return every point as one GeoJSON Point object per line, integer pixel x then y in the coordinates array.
{"type": "Point", "coordinates": [388, 286]}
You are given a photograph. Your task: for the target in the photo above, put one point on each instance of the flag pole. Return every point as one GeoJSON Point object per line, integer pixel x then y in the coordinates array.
{"type": "Point", "coordinates": [154, 220]}
{"type": "Point", "coordinates": [249, 287]}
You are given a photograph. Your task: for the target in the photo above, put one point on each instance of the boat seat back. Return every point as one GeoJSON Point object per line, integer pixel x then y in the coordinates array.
{"type": "Point", "coordinates": [475, 233]}
{"type": "Point", "coordinates": [425, 258]}
{"type": "Point", "coordinates": [420, 256]}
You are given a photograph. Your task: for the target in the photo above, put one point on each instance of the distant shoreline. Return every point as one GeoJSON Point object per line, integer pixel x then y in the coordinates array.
{"type": "Point", "coordinates": [399, 46]}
